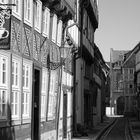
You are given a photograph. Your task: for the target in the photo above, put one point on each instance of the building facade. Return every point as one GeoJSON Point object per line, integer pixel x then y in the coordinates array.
{"type": "Point", "coordinates": [128, 69]}
{"type": "Point", "coordinates": [30, 68]}
{"type": "Point", "coordinates": [116, 88]}
{"type": "Point", "coordinates": [88, 84]}
{"type": "Point", "coordinates": [137, 80]}
{"type": "Point", "coordinates": [100, 86]}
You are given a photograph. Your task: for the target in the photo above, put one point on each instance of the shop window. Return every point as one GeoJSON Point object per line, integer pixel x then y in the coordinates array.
{"type": "Point", "coordinates": [38, 13]}
{"type": "Point", "coordinates": [44, 92]}
{"type": "Point", "coordinates": [28, 8]}
{"type": "Point", "coordinates": [16, 10]}
{"type": "Point", "coordinates": [46, 22]}
{"type": "Point", "coordinates": [26, 79]}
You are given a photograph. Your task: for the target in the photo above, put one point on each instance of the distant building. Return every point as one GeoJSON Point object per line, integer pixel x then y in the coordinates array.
{"type": "Point", "coordinates": [116, 87]}
{"type": "Point", "coordinates": [128, 69]}
{"type": "Point", "coordinates": [136, 50]}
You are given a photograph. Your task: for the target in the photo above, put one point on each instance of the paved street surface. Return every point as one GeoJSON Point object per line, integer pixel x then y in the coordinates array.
{"type": "Point", "coordinates": [93, 134]}
{"type": "Point", "coordinates": [117, 132]}
{"type": "Point", "coordinates": [135, 128]}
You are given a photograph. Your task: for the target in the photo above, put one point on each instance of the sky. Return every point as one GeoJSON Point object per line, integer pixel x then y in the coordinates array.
{"type": "Point", "coordinates": [119, 25]}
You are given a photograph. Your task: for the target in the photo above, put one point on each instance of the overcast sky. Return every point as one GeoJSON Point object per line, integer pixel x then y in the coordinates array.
{"type": "Point", "coordinates": [119, 25]}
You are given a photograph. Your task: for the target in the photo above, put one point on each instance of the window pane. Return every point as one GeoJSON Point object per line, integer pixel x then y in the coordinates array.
{"type": "Point", "coordinates": [28, 9]}
{"type": "Point", "coordinates": [4, 71]}
{"type": "Point", "coordinates": [16, 74]}
{"type": "Point", "coordinates": [27, 76]}
{"type": "Point", "coordinates": [54, 28]}
{"type": "Point", "coordinates": [23, 77]}
{"type": "Point", "coordinates": [12, 73]}
{"type": "Point", "coordinates": [3, 110]}
{"type": "Point", "coordinates": [17, 6]}
{"type": "Point", "coordinates": [3, 103]}
{"type": "Point", "coordinates": [12, 103]}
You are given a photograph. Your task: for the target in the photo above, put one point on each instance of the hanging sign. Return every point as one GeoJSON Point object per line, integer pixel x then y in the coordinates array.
{"type": "Point", "coordinates": [5, 20]}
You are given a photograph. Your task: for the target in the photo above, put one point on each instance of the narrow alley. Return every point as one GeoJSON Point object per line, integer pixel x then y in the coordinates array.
{"type": "Point", "coordinates": [69, 70]}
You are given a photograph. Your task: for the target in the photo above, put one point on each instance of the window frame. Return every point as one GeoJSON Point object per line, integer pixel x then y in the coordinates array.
{"type": "Point", "coordinates": [16, 88]}
{"type": "Point", "coordinates": [54, 28]}
{"type": "Point", "coordinates": [46, 25]}
{"type": "Point", "coordinates": [38, 15]}
{"type": "Point", "coordinates": [27, 90]}
{"type": "Point", "coordinates": [44, 92]}
{"type": "Point", "coordinates": [59, 33]}
{"type": "Point", "coordinates": [26, 20]}
{"type": "Point", "coordinates": [6, 55]}
{"type": "Point", "coordinates": [52, 96]}
{"type": "Point", "coordinates": [14, 12]}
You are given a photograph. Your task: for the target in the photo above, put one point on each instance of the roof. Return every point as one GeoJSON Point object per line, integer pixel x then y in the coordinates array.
{"type": "Point", "coordinates": [117, 55]}
{"type": "Point", "coordinates": [131, 52]}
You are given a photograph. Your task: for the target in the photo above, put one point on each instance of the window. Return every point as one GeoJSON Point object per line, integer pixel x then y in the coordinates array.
{"type": "Point", "coordinates": [28, 8]}
{"type": "Point", "coordinates": [3, 70]}
{"type": "Point", "coordinates": [131, 71]}
{"type": "Point", "coordinates": [16, 68]}
{"type": "Point", "coordinates": [59, 33]}
{"type": "Point", "coordinates": [54, 28]}
{"type": "Point", "coordinates": [26, 78]}
{"type": "Point", "coordinates": [52, 95]}
{"type": "Point", "coordinates": [15, 104]}
{"type": "Point", "coordinates": [26, 96]}
{"type": "Point", "coordinates": [17, 9]}
{"type": "Point", "coordinates": [130, 86]}
{"type": "Point", "coordinates": [3, 103]}
{"type": "Point", "coordinates": [38, 10]}
{"type": "Point", "coordinates": [44, 92]}
{"type": "Point", "coordinates": [46, 22]}
{"type": "Point", "coordinates": [4, 67]}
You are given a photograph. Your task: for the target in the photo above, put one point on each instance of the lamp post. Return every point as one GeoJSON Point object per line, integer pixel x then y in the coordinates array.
{"type": "Point", "coordinates": [67, 51]}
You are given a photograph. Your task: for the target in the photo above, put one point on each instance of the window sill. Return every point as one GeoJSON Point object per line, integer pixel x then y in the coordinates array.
{"type": "Point", "coordinates": [16, 122]}
{"type": "Point", "coordinates": [43, 119]}
{"type": "Point", "coordinates": [26, 120]}
{"type": "Point", "coordinates": [45, 34]}
{"type": "Point", "coordinates": [28, 22]}
{"type": "Point", "coordinates": [37, 29]}
{"type": "Point", "coordinates": [18, 16]}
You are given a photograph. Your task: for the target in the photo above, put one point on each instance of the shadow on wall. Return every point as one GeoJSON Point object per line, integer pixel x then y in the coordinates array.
{"type": "Point", "coordinates": [7, 132]}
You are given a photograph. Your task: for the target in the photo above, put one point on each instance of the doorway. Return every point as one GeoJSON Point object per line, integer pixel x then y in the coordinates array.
{"type": "Point", "coordinates": [65, 115]}
{"type": "Point", "coordinates": [120, 105]}
{"type": "Point", "coordinates": [35, 106]}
